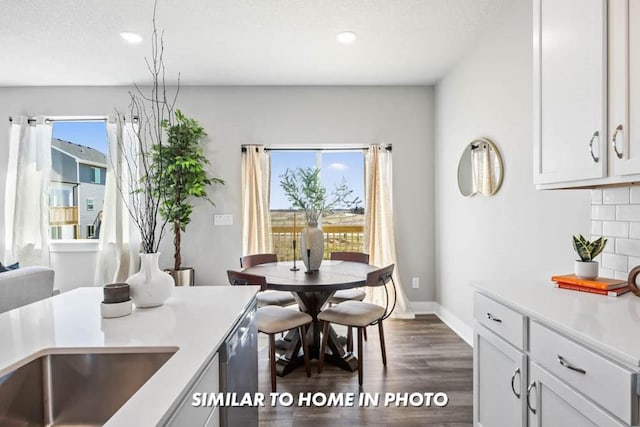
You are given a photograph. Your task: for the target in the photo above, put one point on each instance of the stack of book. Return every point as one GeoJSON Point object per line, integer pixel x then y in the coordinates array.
{"type": "Point", "coordinates": [601, 285]}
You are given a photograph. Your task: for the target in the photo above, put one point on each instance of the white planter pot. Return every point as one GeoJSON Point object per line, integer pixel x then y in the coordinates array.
{"type": "Point", "coordinates": [150, 287]}
{"type": "Point", "coordinates": [586, 269]}
{"type": "Point", "coordinates": [312, 238]}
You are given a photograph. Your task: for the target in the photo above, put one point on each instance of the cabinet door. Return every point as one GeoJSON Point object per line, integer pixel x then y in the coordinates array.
{"type": "Point", "coordinates": [624, 89]}
{"type": "Point", "coordinates": [499, 381]}
{"type": "Point", "coordinates": [570, 84]}
{"type": "Point", "coordinates": [553, 403]}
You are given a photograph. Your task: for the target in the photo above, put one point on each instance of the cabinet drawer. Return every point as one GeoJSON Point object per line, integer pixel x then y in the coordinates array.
{"type": "Point", "coordinates": [505, 322]}
{"type": "Point", "coordinates": [606, 383]}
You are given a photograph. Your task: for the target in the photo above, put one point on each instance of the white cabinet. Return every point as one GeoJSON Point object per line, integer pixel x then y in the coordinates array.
{"type": "Point", "coordinates": [499, 381]}
{"type": "Point", "coordinates": [552, 403]}
{"type": "Point", "coordinates": [570, 84]}
{"type": "Point", "coordinates": [624, 86]}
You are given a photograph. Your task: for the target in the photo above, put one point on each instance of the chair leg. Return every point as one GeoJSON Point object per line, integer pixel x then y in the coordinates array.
{"type": "Point", "coordinates": [364, 331]}
{"type": "Point", "coordinates": [382, 346]}
{"type": "Point", "coordinates": [302, 330]}
{"type": "Point", "coordinates": [272, 360]}
{"type": "Point", "coordinates": [323, 346]}
{"type": "Point", "coordinates": [349, 339]}
{"type": "Point", "coordinates": [360, 355]}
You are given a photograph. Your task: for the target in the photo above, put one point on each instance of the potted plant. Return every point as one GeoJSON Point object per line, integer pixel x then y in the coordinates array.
{"type": "Point", "coordinates": [182, 178]}
{"type": "Point", "coordinates": [586, 267]}
{"type": "Point", "coordinates": [304, 190]}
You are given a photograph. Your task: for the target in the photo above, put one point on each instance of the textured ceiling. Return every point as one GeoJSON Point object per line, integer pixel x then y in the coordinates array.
{"type": "Point", "coordinates": [240, 42]}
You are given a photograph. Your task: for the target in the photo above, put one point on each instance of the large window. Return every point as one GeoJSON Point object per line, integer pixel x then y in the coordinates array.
{"type": "Point", "coordinates": [344, 229]}
{"type": "Point", "coordinates": [78, 171]}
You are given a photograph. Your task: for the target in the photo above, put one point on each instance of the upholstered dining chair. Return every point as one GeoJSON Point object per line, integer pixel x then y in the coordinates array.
{"type": "Point", "coordinates": [355, 294]}
{"type": "Point", "coordinates": [358, 314]}
{"type": "Point", "coordinates": [273, 319]}
{"type": "Point", "coordinates": [280, 298]}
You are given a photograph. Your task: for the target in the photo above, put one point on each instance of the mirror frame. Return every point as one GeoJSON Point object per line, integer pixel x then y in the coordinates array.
{"type": "Point", "coordinates": [493, 147]}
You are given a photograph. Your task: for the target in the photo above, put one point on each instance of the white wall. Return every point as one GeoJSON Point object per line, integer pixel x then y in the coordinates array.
{"type": "Point", "coordinates": [520, 232]}
{"type": "Point", "coordinates": [402, 116]}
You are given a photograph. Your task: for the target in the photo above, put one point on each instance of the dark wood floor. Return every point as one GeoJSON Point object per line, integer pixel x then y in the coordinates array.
{"type": "Point", "coordinates": [423, 355]}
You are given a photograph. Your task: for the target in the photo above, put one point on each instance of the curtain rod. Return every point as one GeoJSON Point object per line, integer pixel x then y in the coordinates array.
{"type": "Point", "coordinates": [69, 119]}
{"type": "Point", "coordinates": [243, 148]}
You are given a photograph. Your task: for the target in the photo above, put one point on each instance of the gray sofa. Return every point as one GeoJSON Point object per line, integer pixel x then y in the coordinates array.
{"type": "Point", "coordinates": [24, 286]}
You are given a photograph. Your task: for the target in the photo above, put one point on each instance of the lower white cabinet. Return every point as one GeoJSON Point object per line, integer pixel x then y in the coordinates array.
{"type": "Point", "coordinates": [499, 381]}
{"type": "Point", "coordinates": [552, 402]}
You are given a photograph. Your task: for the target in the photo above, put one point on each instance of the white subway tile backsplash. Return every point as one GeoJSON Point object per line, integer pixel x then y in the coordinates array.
{"type": "Point", "coordinates": [634, 194]}
{"type": "Point", "coordinates": [633, 262]}
{"type": "Point", "coordinates": [596, 228]}
{"type": "Point", "coordinates": [615, 262]}
{"type": "Point", "coordinates": [615, 196]}
{"type": "Point", "coordinates": [615, 229]}
{"type": "Point", "coordinates": [603, 212]}
{"type": "Point", "coordinates": [620, 275]}
{"type": "Point", "coordinates": [605, 272]}
{"type": "Point", "coordinates": [634, 230]}
{"type": "Point", "coordinates": [596, 197]}
{"type": "Point", "coordinates": [627, 212]}
{"type": "Point", "coordinates": [628, 247]}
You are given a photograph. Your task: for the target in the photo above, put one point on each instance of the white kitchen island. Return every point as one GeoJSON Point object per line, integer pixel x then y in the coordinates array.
{"type": "Point", "coordinates": [194, 323]}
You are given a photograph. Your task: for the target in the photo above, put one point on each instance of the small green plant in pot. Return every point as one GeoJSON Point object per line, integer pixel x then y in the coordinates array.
{"type": "Point", "coordinates": [586, 267]}
{"type": "Point", "coordinates": [182, 179]}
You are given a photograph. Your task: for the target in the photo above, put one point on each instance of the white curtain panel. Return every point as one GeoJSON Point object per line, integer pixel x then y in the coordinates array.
{"type": "Point", "coordinates": [256, 187]}
{"type": "Point", "coordinates": [27, 192]}
{"type": "Point", "coordinates": [117, 255]}
{"type": "Point", "coordinates": [379, 229]}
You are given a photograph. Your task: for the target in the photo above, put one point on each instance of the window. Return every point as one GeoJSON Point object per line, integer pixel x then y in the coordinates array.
{"type": "Point", "coordinates": [344, 229]}
{"type": "Point", "coordinates": [78, 163]}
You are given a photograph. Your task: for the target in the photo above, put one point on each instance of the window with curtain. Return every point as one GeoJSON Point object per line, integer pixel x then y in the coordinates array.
{"type": "Point", "coordinates": [344, 229]}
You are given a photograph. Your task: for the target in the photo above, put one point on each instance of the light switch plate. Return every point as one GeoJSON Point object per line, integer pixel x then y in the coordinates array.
{"type": "Point", "coordinates": [223, 219]}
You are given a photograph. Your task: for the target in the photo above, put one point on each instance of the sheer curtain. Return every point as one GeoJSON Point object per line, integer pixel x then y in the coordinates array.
{"type": "Point", "coordinates": [379, 231]}
{"type": "Point", "coordinates": [118, 247]}
{"type": "Point", "coordinates": [256, 186]}
{"type": "Point", "coordinates": [27, 192]}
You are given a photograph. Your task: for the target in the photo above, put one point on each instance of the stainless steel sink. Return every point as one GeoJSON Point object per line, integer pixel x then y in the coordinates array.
{"type": "Point", "coordinates": [74, 389]}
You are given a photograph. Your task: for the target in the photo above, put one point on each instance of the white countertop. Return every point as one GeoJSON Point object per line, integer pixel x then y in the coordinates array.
{"type": "Point", "coordinates": [195, 320]}
{"type": "Point", "coordinates": [608, 324]}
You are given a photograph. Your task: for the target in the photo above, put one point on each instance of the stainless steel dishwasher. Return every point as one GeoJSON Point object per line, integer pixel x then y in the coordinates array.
{"type": "Point", "coordinates": [239, 370]}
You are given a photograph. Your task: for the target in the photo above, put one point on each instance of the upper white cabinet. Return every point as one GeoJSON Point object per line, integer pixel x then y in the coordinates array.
{"type": "Point", "coordinates": [585, 135]}
{"type": "Point", "coordinates": [570, 83]}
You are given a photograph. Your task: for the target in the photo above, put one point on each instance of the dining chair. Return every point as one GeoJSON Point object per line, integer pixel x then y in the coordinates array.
{"type": "Point", "coordinates": [279, 298]}
{"type": "Point", "coordinates": [272, 320]}
{"type": "Point", "coordinates": [358, 314]}
{"type": "Point", "coordinates": [355, 294]}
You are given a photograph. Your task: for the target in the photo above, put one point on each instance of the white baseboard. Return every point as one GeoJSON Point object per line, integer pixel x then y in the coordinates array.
{"type": "Point", "coordinates": [461, 329]}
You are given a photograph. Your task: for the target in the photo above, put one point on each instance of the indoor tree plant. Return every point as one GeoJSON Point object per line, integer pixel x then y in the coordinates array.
{"type": "Point", "coordinates": [586, 267]}
{"type": "Point", "coordinates": [182, 178]}
{"type": "Point", "coordinates": [304, 190]}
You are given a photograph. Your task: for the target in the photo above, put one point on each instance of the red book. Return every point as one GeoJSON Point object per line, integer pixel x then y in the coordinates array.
{"type": "Point", "coordinates": [611, 293]}
{"type": "Point", "coordinates": [599, 283]}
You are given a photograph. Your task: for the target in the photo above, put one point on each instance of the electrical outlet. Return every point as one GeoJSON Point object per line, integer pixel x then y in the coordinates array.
{"type": "Point", "coordinates": [223, 219]}
{"type": "Point", "coordinates": [415, 282]}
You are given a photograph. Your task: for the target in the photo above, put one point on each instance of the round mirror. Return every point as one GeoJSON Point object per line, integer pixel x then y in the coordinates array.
{"type": "Point", "coordinates": [480, 168]}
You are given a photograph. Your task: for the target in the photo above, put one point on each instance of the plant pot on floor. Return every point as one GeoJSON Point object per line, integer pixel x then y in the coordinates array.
{"type": "Point", "coordinates": [586, 269]}
{"type": "Point", "coordinates": [150, 287]}
{"type": "Point", "coordinates": [185, 276]}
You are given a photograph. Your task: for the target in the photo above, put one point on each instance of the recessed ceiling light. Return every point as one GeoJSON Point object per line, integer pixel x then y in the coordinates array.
{"type": "Point", "coordinates": [346, 37]}
{"type": "Point", "coordinates": [129, 37]}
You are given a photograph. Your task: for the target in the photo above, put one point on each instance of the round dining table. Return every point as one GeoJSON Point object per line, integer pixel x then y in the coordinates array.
{"type": "Point", "coordinates": [312, 291]}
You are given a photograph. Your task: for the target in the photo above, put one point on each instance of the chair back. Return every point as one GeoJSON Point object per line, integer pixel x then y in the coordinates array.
{"type": "Point", "coordinates": [257, 259]}
{"type": "Point", "coordinates": [238, 278]}
{"type": "Point", "coordinates": [350, 256]}
{"type": "Point", "coordinates": [381, 277]}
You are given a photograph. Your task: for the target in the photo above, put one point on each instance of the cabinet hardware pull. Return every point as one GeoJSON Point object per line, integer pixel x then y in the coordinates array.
{"type": "Point", "coordinates": [568, 365]}
{"type": "Point", "coordinates": [492, 317]}
{"type": "Point", "coordinates": [513, 378]}
{"type": "Point", "coordinates": [595, 135]}
{"type": "Point", "coordinates": [614, 141]}
{"type": "Point", "coordinates": [532, 385]}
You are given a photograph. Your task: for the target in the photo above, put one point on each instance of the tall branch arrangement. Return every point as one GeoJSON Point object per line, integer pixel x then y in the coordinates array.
{"type": "Point", "coordinates": [151, 109]}
{"type": "Point", "coordinates": [304, 190]}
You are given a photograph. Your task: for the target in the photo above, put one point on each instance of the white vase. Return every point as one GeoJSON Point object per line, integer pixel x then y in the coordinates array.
{"type": "Point", "coordinates": [150, 287]}
{"type": "Point", "coordinates": [312, 238]}
{"type": "Point", "coordinates": [586, 269]}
